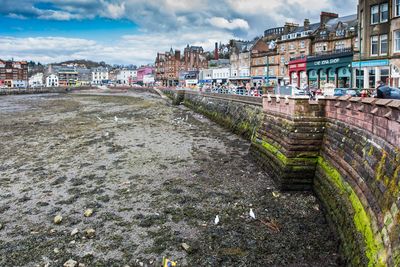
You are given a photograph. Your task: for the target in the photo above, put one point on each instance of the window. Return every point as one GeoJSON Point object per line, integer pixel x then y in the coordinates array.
{"type": "Point", "coordinates": [396, 41]}
{"type": "Point", "coordinates": [375, 14]}
{"type": "Point", "coordinates": [383, 45]}
{"type": "Point", "coordinates": [282, 59]}
{"type": "Point", "coordinates": [374, 45]}
{"type": "Point", "coordinates": [371, 78]}
{"type": "Point", "coordinates": [396, 8]}
{"type": "Point", "coordinates": [339, 45]}
{"type": "Point", "coordinates": [384, 12]}
{"type": "Point", "coordinates": [384, 75]}
{"type": "Point", "coordinates": [302, 44]}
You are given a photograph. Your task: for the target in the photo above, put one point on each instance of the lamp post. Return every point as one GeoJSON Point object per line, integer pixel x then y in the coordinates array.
{"type": "Point", "coordinates": [359, 53]}
{"type": "Point", "coordinates": [267, 71]}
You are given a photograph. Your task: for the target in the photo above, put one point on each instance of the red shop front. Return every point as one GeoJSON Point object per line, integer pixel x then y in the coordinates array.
{"type": "Point", "coordinates": [298, 72]}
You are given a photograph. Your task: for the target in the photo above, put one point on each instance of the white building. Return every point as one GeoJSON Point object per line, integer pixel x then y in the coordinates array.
{"type": "Point", "coordinates": [36, 80]}
{"type": "Point", "coordinates": [221, 75]}
{"type": "Point", "coordinates": [100, 76]}
{"type": "Point", "coordinates": [126, 77]}
{"type": "Point", "coordinates": [52, 80]}
{"type": "Point", "coordinates": [19, 84]}
{"type": "Point", "coordinates": [148, 79]}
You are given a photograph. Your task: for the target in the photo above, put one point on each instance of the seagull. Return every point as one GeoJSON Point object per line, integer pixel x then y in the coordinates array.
{"type": "Point", "coordinates": [99, 118]}
{"type": "Point", "coordinates": [115, 118]}
{"type": "Point", "coordinates": [216, 220]}
{"type": "Point", "coordinates": [252, 215]}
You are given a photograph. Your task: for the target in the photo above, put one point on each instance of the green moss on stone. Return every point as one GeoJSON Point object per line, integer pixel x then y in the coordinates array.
{"type": "Point", "coordinates": [362, 221]}
{"type": "Point", "coordinates": [381, 165]}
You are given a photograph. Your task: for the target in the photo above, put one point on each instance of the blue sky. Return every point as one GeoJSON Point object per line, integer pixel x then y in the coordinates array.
{"type": "Point", "coordinates": [132, 31]}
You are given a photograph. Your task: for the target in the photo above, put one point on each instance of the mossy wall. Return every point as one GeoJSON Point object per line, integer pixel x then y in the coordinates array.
{"type": "Point", "coordinates": [241, 116]}
{"type": "Point", "coordinates": [353, 170]}
{"type": "Point", "coordinates": [325, 147]}
{"type": "Point", "coordinates": [358, 181]}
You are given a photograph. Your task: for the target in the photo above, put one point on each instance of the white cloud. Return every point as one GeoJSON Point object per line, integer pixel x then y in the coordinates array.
{"type": "Point", "coordinates": [130, 49]}
{"type": "Point", "coordinates": [16, 16]}
{"type": "Point", "coordinates": [113, 11]}
{"type": "Point", "coordinates": [59, 15]}
{"type": "Point", "coordinates": [223, 23]}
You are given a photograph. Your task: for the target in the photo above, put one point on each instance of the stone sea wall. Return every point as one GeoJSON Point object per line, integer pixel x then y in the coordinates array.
{"type": "Point", "coordinates": [358, 178]}
{"type": "Point", "coordinates": [241, 114]}
{"type": "Point", "coordinates": [24, 91]}
{"type": "Point", "coordinates": [347, 150]}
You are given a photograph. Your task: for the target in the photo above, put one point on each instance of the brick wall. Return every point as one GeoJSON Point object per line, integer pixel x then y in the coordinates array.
{"type": "Point", "coordinates": [348, 150]}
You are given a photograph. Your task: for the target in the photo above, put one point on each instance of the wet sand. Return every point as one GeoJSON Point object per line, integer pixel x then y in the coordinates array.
{"type": "Point", "coordinates": [155, 176]}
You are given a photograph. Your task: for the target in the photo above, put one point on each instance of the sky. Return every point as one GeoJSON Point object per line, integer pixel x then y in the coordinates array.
{"type": "Point", "coordinates": [133, 31]}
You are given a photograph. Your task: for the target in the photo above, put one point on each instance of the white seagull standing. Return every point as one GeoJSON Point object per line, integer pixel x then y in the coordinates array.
{"type": "Point", "coordinates": [116, 118]}
{"type": "Point", "coordinates": [216, 220]}
{"type": "Point", "coordinates": [252, 215]}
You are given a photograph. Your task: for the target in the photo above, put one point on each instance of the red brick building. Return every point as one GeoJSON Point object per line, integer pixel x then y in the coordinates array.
{"type": "Point", "coordinates": [13, 73]}
{"type": "Point", "coordinates": [168, 65]}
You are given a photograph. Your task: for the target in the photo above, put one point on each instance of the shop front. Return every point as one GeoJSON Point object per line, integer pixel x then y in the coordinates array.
{"type": "Point", "coordinates": [332, 70]}
{"type": "Point", "coordinates": [239, 81]}
{"type": "Point", "coordinates": [298, 72]}
{"type": "Point", "coordinates": [366, 74]}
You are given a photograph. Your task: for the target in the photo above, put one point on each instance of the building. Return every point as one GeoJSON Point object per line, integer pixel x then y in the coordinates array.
{"type": "Point", "coordinates": [168, 67]}
{"type": "Point", "coordinates": [142, 72]}
{"type": "Point", "coordinates": [126, 76]}
{"type": "Point", "coordinates": [240, 62]}
{"type": "Point", "coordinates": [189, 78]}
{"type": "Point", "coordinates": [333, 44]}
{"type": "Point", "coordinates": [67, 76]}
{"type": "Point", "coordinates": [295, 43]}
{"type": "Point", "coordinates": [14, 73]}
{"type": "Point", "coordinates": [148, 79]}
{"type": "Point", "coordinates": [264, 66]}
{"type": "Point", "coordinates": [379, 56]}
{"type": "Point", "coordinates": [194, 58]}
{"type": "Point", "coordinates": [36, 80]}
{"type": "Point", "coordinates": [84, 76]}
{"type": "Point", "coordinates": [221, 75]}
{"type": "Point", "coordinates": [100, 76]}
{"type": "Point", "coordinates": [52, 80]}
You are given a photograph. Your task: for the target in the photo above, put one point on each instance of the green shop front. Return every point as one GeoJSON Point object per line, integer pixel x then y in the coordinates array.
{"type": "Point", "coordinates": [333, 70]}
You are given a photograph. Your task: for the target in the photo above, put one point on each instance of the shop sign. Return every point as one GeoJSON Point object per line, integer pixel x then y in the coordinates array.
{"type": "Point", "coordinates": [370, 63]}
{"type": "Point", "coordinates": [327, 62]}
{"type": "Point", "coordinates": [191, 81]}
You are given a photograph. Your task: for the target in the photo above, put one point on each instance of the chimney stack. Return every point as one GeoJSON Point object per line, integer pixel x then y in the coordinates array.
{"type": "Point", "coordinates": [326, 16]}
{"type": "Point", "coordinates": [177, 54]}
{"type": "Point", "coordinates": [289, 27]}
{"type": "Point", "coordinates": [216, 54]}
{"type": "Point", "coordinates": [306, 24]}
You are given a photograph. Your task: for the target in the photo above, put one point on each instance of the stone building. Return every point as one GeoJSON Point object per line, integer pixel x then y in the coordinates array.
{"type": "Point", "coordinates": [194, 58]}
{"type": "Point", "coordinates": [371, 64]}
{"type": "Point", "coordinates": [295, 43]}
{"type": "Point", "coordinates": [333, 44]}
{"type": "Point", "coordinates": [264, 66]}
{"type": "Point", "coordinates": [167, 67]}
{"type": "Point", "coordinates": [379, 59]}
{"type": "Point", "coordinates": [13, 73]}
{"type": "Point", "coordinates": [240, 62]}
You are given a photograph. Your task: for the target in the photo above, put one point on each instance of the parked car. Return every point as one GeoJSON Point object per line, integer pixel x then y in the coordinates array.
{"type": "Point", "coordinates": [345, 91]}
{"type": "Point", "coordinates": [289, 90]}
{"type": "Point", "coordinates": [388, 92]}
